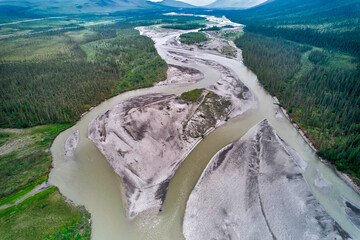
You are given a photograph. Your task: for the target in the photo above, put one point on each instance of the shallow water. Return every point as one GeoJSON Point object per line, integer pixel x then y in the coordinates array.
{"type": "Point", "coordinates": [89, 180]}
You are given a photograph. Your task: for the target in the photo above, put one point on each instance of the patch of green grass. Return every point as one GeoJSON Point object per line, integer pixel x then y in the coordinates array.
{"type": "Point", "coordinates": [37, 48]}
{"type": "Point", "coordinates": [232, 35]}
{"type": "Point", "coordinates": [229, 50]}
{"type": "Point", "coordinates": [42, 215]}
{"type": "Point", "coordinates": [27, 161]}
{"type": "Point", "coordinates": [12, 198]}
{"type": "Point", "coordinates": [193, 37]}
{"type": "Point", "coordinates": [81, 36]}
{"type": "Point", "coordinates": [80, 230]}
{"type": "Point", "coordinates": [210, 94]}
{"type": "Point", "coordinates": [4, 138]}
{"type": "Point", "coordinates": [191, 96]}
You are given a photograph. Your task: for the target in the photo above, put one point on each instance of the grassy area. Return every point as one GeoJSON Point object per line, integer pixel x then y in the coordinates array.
{"type": "Point", "coordinates": [231, 35]}
{"type": "Point", "coordinates": [229, 50]}
{"type": "Point", "coordinates": [41, 216]}
{"type": "Point", "coordinates": [12, 198]}
{"type": "Point", "coordinates": [191, 96]}
{"type": "Point", "coordinates": [193, 37]}
{"type": "Point", "coordinates": [25, 160]}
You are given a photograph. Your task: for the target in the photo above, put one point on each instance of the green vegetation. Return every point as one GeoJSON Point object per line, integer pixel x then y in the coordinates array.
{"type": "Point", "coordinates": [58, 80]}
{"type": "Point", "coordinates": [228, 26]}
{"type": "Point", "coordinates": [12, 198]}
{"type": "Point", "coordinates": [191, 96]}
{"type": "Point", "coordinates": [213, 28]}
{"type": "Point", "coordinates": [232, 35]}
{"type": "Point", "coordinates": [25, 160]}
{"type": "Point", "coordinates": [318, 86]}
{"type": "Point", "coordinates": [320, 90]}
{"type": "Point", "coordinates": [212, 108]}
{"type": "Point", "coordinates": [342, 41]}
{"type": "Point", "coordinates": [53, 77]}
{"type": "Point", "coordinates": [193, 37]}
{"type": "Point", "coordinates": [229, 50]}
{"type": "Point", "coordinates": [186, 26]}
{"type": "Point", "coordinates": [42, 215]}
{"type": "Point", "coordinates": [77, 231]}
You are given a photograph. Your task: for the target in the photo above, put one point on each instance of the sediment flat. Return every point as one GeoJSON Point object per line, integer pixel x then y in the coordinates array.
{"type": "Point", "coordinates": [146, 138]}
{"type": "Point", "coordinates": [254, 188]}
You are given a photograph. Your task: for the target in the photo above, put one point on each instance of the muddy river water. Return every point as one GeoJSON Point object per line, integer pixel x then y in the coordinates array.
{"type": "Point", "coordinates": [88, 179]}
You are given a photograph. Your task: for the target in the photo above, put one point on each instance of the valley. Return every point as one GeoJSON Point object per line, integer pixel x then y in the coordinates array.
{"type": "Point", "coordinates": [167, 224]}
{"type": "Point", "coordinates": [124, 124]}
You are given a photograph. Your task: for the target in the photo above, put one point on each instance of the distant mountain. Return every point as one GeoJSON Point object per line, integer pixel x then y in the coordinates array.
{"type": "Point", "coordinates": [176, 4]}
{"type": "Point", "coordinates": [234, 4]}
{"type": "Point", "coordinates": [90, 6]}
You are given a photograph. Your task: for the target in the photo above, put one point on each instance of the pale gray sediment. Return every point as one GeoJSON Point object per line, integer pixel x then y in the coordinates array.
{"type": "Point", "coordinates": [179, 75]}
{"type": "Point", "coordinates": [254, 188]}
{"type": "Point", "coordinates": [146, 138]}
{"type": "Point", "coordinates": [71, 143]}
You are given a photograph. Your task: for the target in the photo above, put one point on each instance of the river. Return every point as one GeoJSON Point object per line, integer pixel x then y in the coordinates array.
{"type": "Point", "coordinates": [89, 180]}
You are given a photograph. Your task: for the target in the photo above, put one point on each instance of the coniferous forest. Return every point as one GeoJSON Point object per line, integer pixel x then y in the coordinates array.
{"type": "Point", "coordinates": [314, 70]}
{"type": "Point", "coordinates": [55, 87]}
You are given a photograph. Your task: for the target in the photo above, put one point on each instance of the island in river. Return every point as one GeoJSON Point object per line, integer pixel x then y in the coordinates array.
{"type": "Point", "coordinates": [146, 138]}
{"type": "Point", "coordinates": [254, 188]}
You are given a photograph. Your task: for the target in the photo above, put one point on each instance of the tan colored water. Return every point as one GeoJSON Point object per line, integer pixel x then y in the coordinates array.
{"type": "Point", "coordinates": [89, 180]}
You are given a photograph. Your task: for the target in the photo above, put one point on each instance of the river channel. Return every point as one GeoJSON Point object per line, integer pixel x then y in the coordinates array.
{"type": "Point", "coordinates": [87, 179]}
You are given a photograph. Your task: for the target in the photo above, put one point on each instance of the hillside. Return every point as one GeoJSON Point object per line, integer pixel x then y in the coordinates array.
{"type": "Point", "coordinates": [234, 4]}
{"type": "Point", "coordinates": [42, 7]}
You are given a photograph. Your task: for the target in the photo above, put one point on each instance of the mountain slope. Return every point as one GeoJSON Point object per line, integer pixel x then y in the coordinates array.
{"type": "Point", "coordinates": [90, 6]}
{"type": "Point", "coordinates": [176, 4]}
{"type": "Point", "coordinates": [298, 11]}
{"type": "Point", "coordinates": [234, 4]}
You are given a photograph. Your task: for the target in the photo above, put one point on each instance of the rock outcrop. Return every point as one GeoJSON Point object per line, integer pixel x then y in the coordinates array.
{"type": "Point", "coordinates": [254, 188]}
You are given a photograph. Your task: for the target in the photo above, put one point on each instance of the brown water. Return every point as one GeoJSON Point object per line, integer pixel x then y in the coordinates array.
{"type": "Point", "coordinates": [90, 181]}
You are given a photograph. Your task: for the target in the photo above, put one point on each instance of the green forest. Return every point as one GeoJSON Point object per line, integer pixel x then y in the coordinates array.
{"type": "Point", "coordinates": [307, 54]}
{"type": "Point", "coordinates": [193, 37]}
{"type": "Point", "coordinates": [319, 88]}
{"type": "Point", "coordinates": [59, 85]}
{"type": "Point", "coordinates": [52, 78]}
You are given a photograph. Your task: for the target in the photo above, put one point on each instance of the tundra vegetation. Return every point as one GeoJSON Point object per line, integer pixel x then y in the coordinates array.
{"type": "Point", "coordinates": [313, 68]}
{"type": "Point", "coordinates": [51, 76]}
